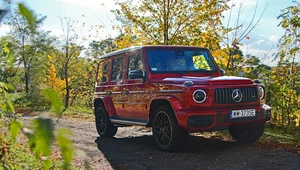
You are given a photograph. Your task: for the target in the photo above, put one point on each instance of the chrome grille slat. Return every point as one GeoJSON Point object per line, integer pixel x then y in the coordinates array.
{"type": "Point", "coordinates": [224, 95]}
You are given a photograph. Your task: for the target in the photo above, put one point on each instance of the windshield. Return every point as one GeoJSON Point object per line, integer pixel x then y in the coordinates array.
{"type": "Point", "coordinates": [180, 61]}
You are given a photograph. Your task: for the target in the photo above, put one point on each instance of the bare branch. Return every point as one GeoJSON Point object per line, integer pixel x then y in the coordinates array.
{"type": "Point", "coordinates": [250, 27]}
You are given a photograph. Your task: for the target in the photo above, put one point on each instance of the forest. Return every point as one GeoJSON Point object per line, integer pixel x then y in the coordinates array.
{"type": "Point", "coordinates": [40, 72]}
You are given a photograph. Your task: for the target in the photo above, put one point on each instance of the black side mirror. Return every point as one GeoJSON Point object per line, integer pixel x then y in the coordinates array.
{"type": "Point", "coordinates": [257, 81]}
{"type": "Point", "coordinates": [222, 72]}
{"type": "Point", "coordinates": [136, 74]}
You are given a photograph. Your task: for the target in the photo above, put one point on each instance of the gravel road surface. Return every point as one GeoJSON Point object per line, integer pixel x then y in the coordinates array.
{"type": "Point", "coordinates": [134, 148]}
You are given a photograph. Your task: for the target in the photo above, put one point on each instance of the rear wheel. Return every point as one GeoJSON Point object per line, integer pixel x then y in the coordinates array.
{"type": "Point", "coordinates": [104, 127]}
{"type": "Point", "coordinates": [246, 134]}
{"type": "Point", "coordinates": [169, 136]}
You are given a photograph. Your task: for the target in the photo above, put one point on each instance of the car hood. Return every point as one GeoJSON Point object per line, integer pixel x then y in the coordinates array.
{"type": "Point", "coordinates": [222, 80]}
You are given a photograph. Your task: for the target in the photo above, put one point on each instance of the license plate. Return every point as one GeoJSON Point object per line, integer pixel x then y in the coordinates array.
{"type": "Point", "coordinates": [242, 113]}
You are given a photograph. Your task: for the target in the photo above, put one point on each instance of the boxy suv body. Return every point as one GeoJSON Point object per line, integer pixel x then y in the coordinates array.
{"type": "Point", "coordinates": [176, 90]}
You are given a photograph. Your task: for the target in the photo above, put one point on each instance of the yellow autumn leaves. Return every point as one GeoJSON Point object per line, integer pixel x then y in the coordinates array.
{"type": "Point", "coordinates": [53, 81]}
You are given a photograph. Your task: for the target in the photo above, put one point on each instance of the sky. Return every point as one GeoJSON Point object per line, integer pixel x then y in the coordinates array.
{"type": "Point", "coordinates": [262, 40]}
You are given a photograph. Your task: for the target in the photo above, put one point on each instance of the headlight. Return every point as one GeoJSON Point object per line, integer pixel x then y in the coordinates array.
{"type": "Point", "coordinates": [199, 96]}
{"type": "Point", "coordinates": [261, 92]}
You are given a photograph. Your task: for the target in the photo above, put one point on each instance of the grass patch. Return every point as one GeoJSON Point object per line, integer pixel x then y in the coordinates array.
{"type": "Point", "coordinates": [281, 135]}
{"type": "Point", "coordinates": [79, 112]}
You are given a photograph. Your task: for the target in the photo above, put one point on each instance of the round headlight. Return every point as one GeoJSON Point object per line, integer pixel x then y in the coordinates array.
{"type": "Point", "coordinates": [261, 92]}
{"type": "Point", "coordinates": [199, 96]}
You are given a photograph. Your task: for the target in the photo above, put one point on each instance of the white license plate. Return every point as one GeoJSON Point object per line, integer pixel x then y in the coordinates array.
{"type": "Point", "coordinates": [242, 113]}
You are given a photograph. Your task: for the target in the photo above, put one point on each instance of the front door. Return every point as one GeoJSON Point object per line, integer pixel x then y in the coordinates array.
{"type": "Point", "coordinates": [134, 89]}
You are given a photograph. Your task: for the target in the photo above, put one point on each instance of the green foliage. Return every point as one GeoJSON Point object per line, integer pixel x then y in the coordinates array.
{"type": "Point", "coordinates": [172, 22]}
{"type": "Point", "coordinates": [6, 107]}
{"type": "Point", "coordinates": [43, 136]}
{"type": "Point", "coordinates": [279, 135]}
{"type": "Point", "coordinates": [16, 155]}
{"type": "Point", "coordinates": [28, 15]}
{"type": "Point", "coordinates": [57, 105]}
{"type": "Point", "coordinates": [65, 146]}
{"type": "Point", "coordinates": [40, 139]}
{"type": "Point", "coordinates": [284, 81]}
{"type": "Point", "coordinates": [15, 128]}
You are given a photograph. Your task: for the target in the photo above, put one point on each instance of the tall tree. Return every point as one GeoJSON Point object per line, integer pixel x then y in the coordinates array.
{"type": "Point", "coordinates": [288, 72]}
{"type": "Point", "coordinates": [71, 50]}
{"type": "Point", "coordinates": [31, 41]}
{"type": "Point", "coordinates": [173, 22]}
{"type": "Point", "coordinates": [98, 48]}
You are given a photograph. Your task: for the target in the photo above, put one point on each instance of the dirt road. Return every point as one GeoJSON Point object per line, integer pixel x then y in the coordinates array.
{"type": "Point", "coordinates": [134, 148]}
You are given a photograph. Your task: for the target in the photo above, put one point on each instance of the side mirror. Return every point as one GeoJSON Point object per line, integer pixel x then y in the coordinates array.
{"type": "Point", "coordinates": [257, 81]}
{"type": "Point", "coordinates": [222, 72]}
{"type": "Point", "coordinates": [136, 74]}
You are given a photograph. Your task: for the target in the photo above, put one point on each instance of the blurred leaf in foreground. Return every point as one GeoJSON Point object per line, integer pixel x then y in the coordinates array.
{"type": "Point", "coordinates": [57, 105]}
{"type": "Point", "coordinates": [15, 128]}
{"type": "Point", "coordinates": [65, 146]}
{"type": "Point", "coordinates": [28, 15]}
{"type": "Point", "coordinates": [41, 140]}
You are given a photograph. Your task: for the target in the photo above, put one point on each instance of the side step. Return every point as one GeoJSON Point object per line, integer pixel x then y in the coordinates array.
{"type": "Point", "coordinates": [126, 121]}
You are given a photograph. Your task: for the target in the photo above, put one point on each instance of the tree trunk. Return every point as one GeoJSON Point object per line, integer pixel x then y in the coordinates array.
{"type": "Point", "coordinates": [67, 88]}
{"type": "Point", "coordinates": [66, 77]}
{"type": "Point", "coordinates": [165, 20]}
{"type": "Point", "coordinates": [72, 100]}
{"type": "Point", "coordinates": [25, 66]}
{"type": "Point", "coordinates": [26, 80]}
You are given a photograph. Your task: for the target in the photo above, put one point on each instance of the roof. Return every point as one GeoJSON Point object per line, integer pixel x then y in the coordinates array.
{"type": "Point", "coordinates": [133, 48]}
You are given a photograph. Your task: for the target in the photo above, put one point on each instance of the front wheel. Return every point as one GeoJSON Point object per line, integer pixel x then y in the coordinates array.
{"type": "Point", "coordinates": [104, 127]}
{"type": "Point", "coordinates": [246, 134]}
{"type": "Point", "coordinates": [169, 136]}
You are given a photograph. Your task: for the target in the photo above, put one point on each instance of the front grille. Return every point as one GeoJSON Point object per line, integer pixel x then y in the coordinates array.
{"type": "Point", "coordinates": [224, 95]}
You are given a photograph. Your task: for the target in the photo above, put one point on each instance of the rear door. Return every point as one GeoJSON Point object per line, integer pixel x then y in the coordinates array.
{"type": "Point", "coordinates": [116, 79]}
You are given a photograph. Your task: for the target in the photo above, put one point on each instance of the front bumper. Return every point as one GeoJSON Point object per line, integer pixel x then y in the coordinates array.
{"type": "Point", "coordinates": [213, 120]}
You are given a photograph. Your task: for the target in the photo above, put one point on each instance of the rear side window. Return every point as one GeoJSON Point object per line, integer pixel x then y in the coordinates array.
{"type": "Point", "coordinates": [117, 69]}
{"type": "Point", "coordinates": [103, 71]}
{"type": "Point", "coordinates": [135, 62]}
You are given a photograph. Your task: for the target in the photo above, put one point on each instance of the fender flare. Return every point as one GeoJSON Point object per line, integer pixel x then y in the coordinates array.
{"type": "Point", "coordinates": [108, 104]}
{"type": "Point", "coordinates": [175, 104]}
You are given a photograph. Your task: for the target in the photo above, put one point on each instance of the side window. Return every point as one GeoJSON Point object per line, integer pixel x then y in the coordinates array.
{"type": "Point", "coordinates": [117, 69]}
{"type": "Point", "coordinates": [103, 71]}
{"type": "Point", "coordinates": [135, 62]}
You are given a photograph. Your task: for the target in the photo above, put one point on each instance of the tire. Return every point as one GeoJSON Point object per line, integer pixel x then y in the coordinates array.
{"type": "Point", "coordinates": [246, 134]}
{"type": "Point", "coordinates": [104, 127]}
{"type": "Point", "coordinates": [169, 136]}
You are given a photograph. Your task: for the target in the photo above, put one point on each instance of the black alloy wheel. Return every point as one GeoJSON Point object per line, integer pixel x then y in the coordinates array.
{"type": "Point", "coordinates": [163, 128]}
{"type": "Point", "coordinates": [103, 126]}
{"type": "Point", "coordinates": [169, 136]}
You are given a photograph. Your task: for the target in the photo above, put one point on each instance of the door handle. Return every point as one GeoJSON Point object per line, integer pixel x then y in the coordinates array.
{"type": "Point", "coordinates": [126, 92]}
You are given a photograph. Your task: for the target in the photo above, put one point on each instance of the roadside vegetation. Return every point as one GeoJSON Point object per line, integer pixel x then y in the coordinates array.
{"type": "Point", "coordinates": [40, 72]}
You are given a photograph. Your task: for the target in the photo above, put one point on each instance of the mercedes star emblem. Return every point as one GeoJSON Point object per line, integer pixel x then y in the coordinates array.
{"type": "Point", "coordinates": [237, 95]}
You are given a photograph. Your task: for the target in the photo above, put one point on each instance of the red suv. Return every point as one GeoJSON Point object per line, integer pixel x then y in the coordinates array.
{"type": "Point", "coordinates": [176, 90]}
